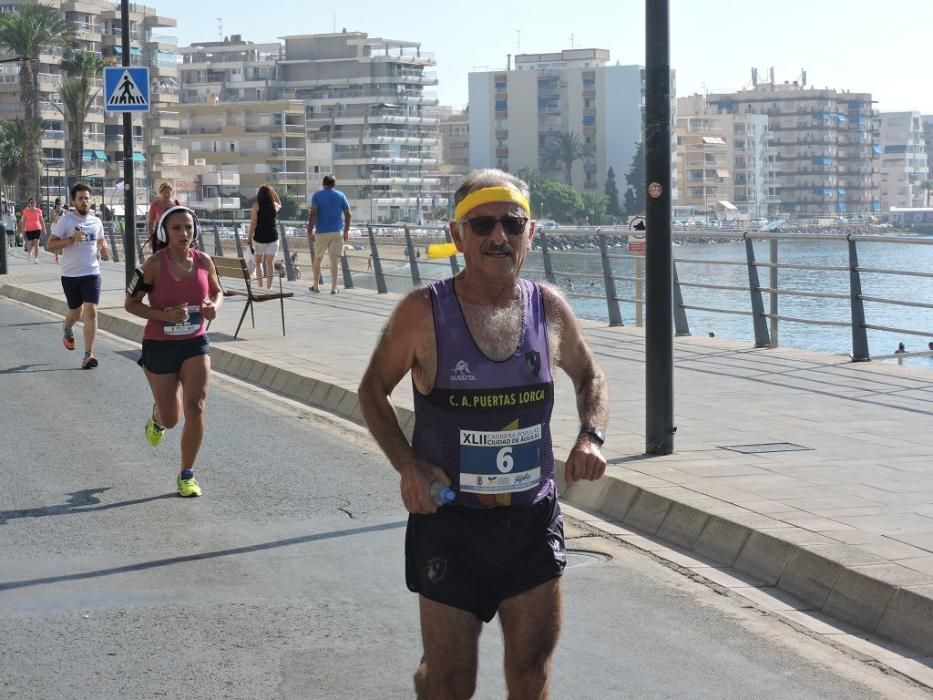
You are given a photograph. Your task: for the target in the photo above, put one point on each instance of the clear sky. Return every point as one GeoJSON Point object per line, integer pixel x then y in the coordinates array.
{"type": "Point", "coordinates": [876, 46]}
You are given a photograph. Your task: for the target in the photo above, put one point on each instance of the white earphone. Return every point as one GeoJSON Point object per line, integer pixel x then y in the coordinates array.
{"type": "Point", "coordinates": [162, 233]}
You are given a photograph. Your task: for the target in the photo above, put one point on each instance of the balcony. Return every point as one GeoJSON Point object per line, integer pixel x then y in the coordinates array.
{"type": "Point", "coordinates": [278, 152]}
{"type": "Point", "coordinates": [163, 95]}
{"type": "Point", "coordinates": [85, 31]}
{"type": "Point", "coordinates": [220, 179]}
{"type": "Point", "coordinates": [290, 177]}
{"type": "Point", "coordinates": [215, 203]}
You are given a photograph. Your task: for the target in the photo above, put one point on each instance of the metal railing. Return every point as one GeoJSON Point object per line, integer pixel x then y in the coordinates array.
{"type": "Point", "coordinates": [594, 270]}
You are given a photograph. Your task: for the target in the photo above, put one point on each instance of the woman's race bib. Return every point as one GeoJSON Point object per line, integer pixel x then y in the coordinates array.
{"type": "Point", "coordinates": [191, 324]}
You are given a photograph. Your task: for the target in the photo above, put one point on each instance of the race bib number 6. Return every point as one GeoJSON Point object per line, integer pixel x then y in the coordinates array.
{"type": "Point", "coordinates": [504, 461]}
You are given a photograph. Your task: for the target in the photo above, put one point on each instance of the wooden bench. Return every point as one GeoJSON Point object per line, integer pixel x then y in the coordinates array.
{"type": "Point", "coordinates": [235, 269]}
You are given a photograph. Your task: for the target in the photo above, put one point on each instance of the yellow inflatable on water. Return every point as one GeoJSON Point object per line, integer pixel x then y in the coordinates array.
{"type": "Point", "coordinates": [441, 250]}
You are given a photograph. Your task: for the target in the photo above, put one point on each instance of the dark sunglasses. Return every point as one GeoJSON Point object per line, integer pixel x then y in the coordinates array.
{"type": "Point", "coordinates": [485, 225]}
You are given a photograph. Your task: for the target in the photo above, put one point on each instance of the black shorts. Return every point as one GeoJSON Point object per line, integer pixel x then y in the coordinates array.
{"type": "Point", "coordinates": [33, 235]}
{"type": "Point", "coordinates": [473, 558]}
{"type": "Point", "coordinates": [81, 290]}
{"type": "Point", "coordinates": [167, 356]}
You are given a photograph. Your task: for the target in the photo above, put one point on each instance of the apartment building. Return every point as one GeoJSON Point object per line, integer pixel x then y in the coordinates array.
{"type": "Point", "coordinates": [264, 141]}
{"type": "Point", "coordinates": [825, 144]}
{"type": "Point", "coordinates": [516, 114]}
{"type": "Point", "coordinates": [98, 28]}
{"type": "Point", "coordinates": [367, 109]}
{"type": "Point", "coordinates": [365, 102]}
{"type": "Point", "coordinates": [904, 169]}
{"type": "Point", "coordinates": [454, 127]}
{"type": "Point", "coordinates": [724, 165]}
{"type": "Point", "coordinates": [229, 70]}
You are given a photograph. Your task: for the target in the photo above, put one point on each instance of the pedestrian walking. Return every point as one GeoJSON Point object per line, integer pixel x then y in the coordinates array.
{"type": "Point", "coordinates": [183, 293]}
{"type": "Point", "coordinates": [328, 207]}
{"type": "Point", "coordinates": [9, 223]}
{"type": "Point", "coordinates": [482, 348]}
{"type": "Point", "coordinates": [263, 235]}
{"type": "Point", "coordinates": [54, 216]}
{"type": "Point", "coordinates": [78, 237]}
{"type": "Point", "coordinates": [158, 206]}
{"type": "Point", "coordinates": [33, 228]}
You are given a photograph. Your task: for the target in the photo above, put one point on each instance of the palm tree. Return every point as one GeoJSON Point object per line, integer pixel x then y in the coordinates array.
{"type": "Point", "coordinates": [23, 34]}
{"type": "Point", "coordinates": [565, 149]}
{"type": "Point", "coordinates": [17, 148]}
{"type": "Point", "coordinates": [8, 158]}
{"type": "Point", "coordinates": [77, 99]}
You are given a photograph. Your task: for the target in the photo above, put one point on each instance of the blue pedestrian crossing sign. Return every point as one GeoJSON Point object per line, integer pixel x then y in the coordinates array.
{"type": "Point", "coordinates": [126, 89]}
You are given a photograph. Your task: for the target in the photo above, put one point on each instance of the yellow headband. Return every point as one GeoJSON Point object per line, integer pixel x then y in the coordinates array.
{"type": "Point", "coordinates": [491, 194]}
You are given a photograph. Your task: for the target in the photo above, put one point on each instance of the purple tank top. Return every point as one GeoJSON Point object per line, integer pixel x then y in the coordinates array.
{"type": "Point", "coordinates": [487, 423]}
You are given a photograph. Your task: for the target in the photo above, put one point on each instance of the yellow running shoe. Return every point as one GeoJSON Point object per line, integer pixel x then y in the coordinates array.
{"type": "Point", "coordinates": [188, 486]}
{"type": "Point", "coordinates": [155, 433]}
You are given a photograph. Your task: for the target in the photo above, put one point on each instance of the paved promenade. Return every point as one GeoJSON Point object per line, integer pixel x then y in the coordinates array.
{"type": "Point", "coordinates": [841, 519]}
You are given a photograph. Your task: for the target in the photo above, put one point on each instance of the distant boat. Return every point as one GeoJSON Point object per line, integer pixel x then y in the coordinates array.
{"type": "Point", "coordinates": [773, 225]}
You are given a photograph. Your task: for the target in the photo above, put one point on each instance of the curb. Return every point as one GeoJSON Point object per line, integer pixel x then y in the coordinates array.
{"type": "Point", "coordinates": [853, 590]}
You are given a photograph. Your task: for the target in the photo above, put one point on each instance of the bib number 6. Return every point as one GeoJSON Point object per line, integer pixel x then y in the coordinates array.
{"type": "Point", "coordinates": [504, 460]}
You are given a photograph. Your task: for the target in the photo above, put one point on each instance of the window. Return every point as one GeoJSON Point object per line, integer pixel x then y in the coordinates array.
{"type": "Point", "coordinates": [589, 121]}
{"type": "Point", "coordinates": [502, 105]}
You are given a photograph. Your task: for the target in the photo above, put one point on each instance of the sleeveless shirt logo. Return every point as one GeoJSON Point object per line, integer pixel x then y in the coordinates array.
{"type": "Point", "coordinates": [461, 373]}
{"type": "Point", "coordinates": [533, 361]}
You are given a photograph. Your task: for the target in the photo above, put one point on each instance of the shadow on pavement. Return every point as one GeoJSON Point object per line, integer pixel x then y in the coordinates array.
{"type": "Point", "coordinates": [171, 561]}
{"type": "Point", "coordinates": [28, 369]}
{"type": "Point", "coordinates": [77, 502]}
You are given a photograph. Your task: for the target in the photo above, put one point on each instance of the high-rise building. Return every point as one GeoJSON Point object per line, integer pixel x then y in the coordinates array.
{"type": "Point", "coordinates": [516, 114]}
{"type": "Point", "coordinates": [265, 142]}
{"type": "Point", "coordinates": [723, 164]}
{"type": "Point", "coordinates": [927, 124]}
{"type": "Point", "coordinates": [455, 140]}
{"type": "Point", "coordinates": [365, 102]}
{"type": "Point", "coordinates": [229, 70]}
{"type": "Point", "coordinates": [825, 144]}
{"type": "Point", "coordinates": [97, 27]}
{"type": "Point", "coordinates": [904, 168]}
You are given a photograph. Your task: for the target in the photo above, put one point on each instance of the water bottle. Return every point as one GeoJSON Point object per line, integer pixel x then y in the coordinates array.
{"type": "Point", "coordinates": [442, 495]}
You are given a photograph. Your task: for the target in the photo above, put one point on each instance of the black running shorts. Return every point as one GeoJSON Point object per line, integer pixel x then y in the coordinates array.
{"type": "Point", "coordinates": [81, 290]}
{"type": "Point", "coordinates": [167, 356]}
{"type": "Point", "coordinates": [473, 558]}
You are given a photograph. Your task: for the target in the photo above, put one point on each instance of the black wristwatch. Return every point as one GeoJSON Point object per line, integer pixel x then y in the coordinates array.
{"type": "Point", "coordinates": [595, 433]}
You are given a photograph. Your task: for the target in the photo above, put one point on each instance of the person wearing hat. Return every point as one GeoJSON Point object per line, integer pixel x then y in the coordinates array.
{"type": "Point", "coordinates": [78, 237]}
{"type": "Point", "coordinates": [184, 293]}
{"type": "Point", "coordinates": [482, 349]}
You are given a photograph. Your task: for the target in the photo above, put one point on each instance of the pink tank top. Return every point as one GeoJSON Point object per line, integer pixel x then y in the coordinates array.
{"type": "Point", "coordinates": [32, 219]}
{"type": "Point", "coordinates": [171, 291]}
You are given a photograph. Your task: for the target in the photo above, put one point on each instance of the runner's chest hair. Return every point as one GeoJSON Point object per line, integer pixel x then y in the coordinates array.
{"type": "Point", "coordinates": [496, 331]}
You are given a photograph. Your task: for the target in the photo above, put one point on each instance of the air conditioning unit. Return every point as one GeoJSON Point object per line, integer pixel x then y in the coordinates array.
{"type": "Point", "coordinates": [200, 161]}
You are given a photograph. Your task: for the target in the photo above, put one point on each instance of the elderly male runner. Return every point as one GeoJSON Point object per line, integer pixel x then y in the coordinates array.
{"type": "Point", "coordinates": [481, 348]}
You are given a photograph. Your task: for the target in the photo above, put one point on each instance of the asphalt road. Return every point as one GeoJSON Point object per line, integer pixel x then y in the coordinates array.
{"type": "Point", "coordinates": [286, 580]}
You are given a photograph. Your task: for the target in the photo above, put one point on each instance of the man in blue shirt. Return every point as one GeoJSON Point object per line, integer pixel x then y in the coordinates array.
{"type": "Point", "coordinates": [328, 207]}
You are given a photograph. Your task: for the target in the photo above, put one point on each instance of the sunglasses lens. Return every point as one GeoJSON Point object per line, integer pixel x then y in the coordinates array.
{"type": "Point", "coordinates": [485, 225]}
{"type": "Point", "coordinates": [514, 225]}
